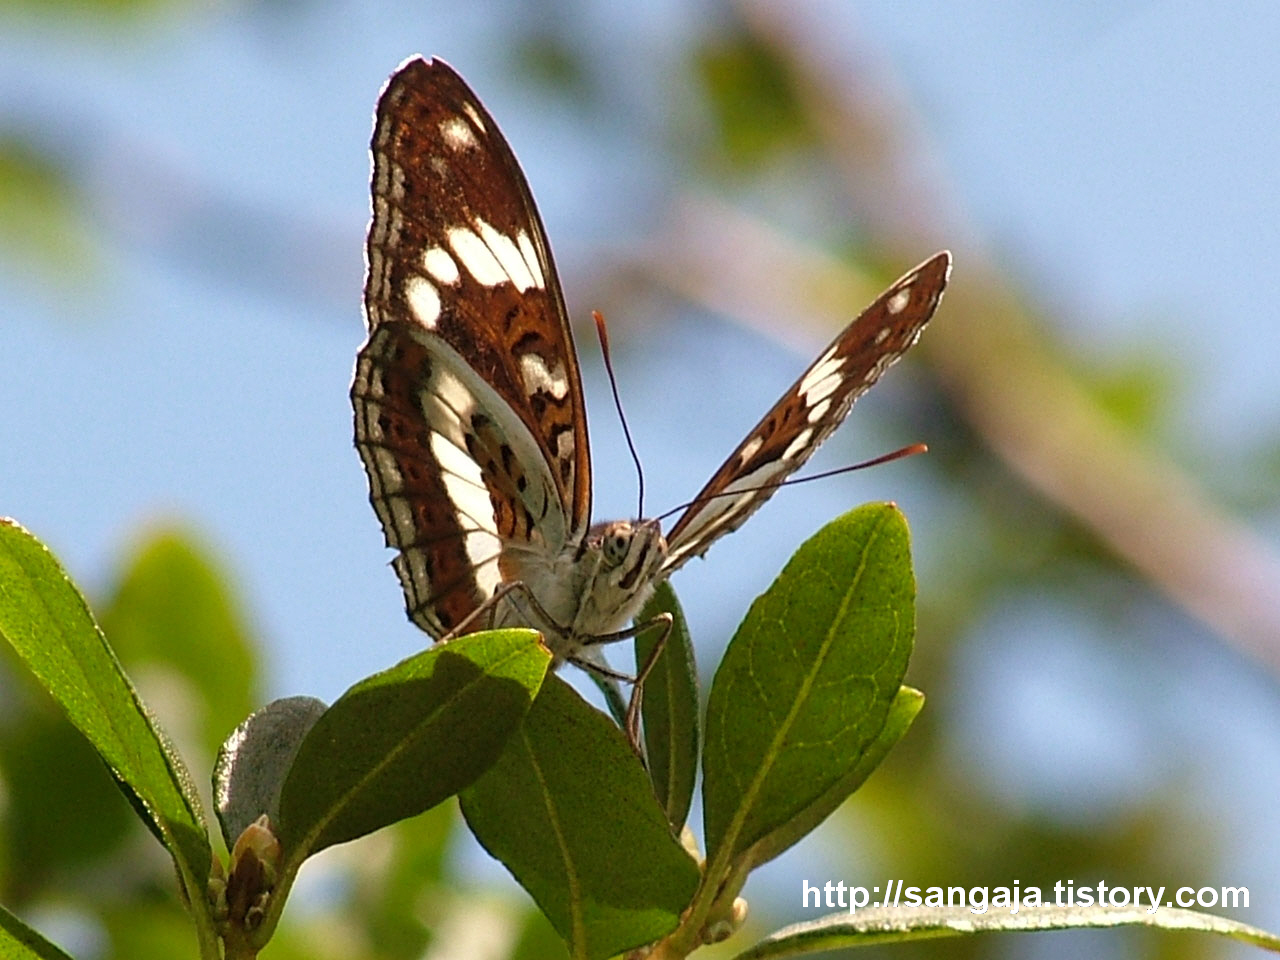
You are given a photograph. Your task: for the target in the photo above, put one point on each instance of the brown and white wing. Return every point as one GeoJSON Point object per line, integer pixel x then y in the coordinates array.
{"type": "Point", "coordinates": [467, 397]}
{"type": "Point", "coordinates": [807, 414]}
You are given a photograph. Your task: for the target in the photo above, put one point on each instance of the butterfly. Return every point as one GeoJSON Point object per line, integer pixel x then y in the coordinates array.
{"type": "Point", "coordinates": [469, 413]}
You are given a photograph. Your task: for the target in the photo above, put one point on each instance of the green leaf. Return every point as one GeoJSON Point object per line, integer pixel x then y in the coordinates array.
{"type": "Point", "coordinates": [20, 942]}
{"type": "Point", "coordinates": [807, 682]}
{"type": "Point", "coordinates": [902, 712]}
{"type": "Point", "coordinates": [254, 760]}
{"type": "Point", "coordinates": [898, 924]}
{"type": "Point", "coordinates": [537, 939]}
{"type": "Point", "coordinates": [48, 623]}
{"type": "Point", "coordinates": [405, 739]}
{"type": "Point", "coordinates": [670, 708]}
{"type": "Point", "coordinates": [613, 697]}
{"type": "Point", "coordinates": [569, 809]}
{"type": "Point", "coordinates": [174, 608]}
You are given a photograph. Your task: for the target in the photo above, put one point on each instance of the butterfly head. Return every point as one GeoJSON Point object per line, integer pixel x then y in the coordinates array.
{"type": "Point", "coordinates": [623, 560]}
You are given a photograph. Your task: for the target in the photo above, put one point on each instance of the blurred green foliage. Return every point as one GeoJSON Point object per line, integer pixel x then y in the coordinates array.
{"type": "Point", "coordinates": [752, 101]}
{"type": "Point", "coordinates": [70, 12]}
{"type": "Point", "coordinates": [41, 216]}
{"type": "Point", "coordinates": [174, 614]}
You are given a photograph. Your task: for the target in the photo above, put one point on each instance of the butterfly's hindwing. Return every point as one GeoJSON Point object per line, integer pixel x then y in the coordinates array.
{"type": "Point", "coordinates": [441, 521]}
{"type": "Point", "coordinates": [810, 410]}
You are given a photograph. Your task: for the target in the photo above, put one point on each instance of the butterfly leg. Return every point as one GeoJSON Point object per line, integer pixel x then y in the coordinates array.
{"type": "Point", "coordinates": [632, 724]}
{"type": "Point", "coordinates": [462, 627]}
{"type": "Point", "coordinates": [631, 717]}
{"type": "Point", "coordinates": [490, 606]}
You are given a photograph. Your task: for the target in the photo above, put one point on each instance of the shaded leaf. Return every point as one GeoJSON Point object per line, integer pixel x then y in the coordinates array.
{"type": "Point", "coordinates": [808, 679]}
{"type": "Point", "coordinates": [569, 809]}
{"type": "Point", "coordinates": [405, 739]}
{"type": "Point", "coordinates": [48, 623]}
{"type": "Point", "coordinates": [897, 924]}
{"type": "Point", "coordinates": [670, 708]}
{"type": "Point", "coordinates": [253, 762]}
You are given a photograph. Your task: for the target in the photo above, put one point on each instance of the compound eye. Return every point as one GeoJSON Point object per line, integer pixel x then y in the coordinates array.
{"type": "Point", "coordinates": [615, 547]}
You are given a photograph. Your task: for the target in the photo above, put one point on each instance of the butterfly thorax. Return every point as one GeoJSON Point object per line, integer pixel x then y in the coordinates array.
{"type": "Point", "coordinates": [592, 588]}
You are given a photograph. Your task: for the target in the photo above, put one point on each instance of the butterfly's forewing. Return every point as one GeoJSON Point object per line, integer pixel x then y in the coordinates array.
{"type": "Point", "coordinates": [808, 412]}
{"type": "Point", "coordinates": [468, 402]}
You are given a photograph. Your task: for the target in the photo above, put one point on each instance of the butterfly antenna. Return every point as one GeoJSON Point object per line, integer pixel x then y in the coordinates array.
{"type": "Point", "coordinates": [908, 451]}
{"type": "Point", "coordinates": [602, 331]}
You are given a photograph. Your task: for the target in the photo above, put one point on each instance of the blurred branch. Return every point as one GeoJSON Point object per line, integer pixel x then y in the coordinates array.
{"type": "Point", "coordinates": [866, 127]}
{"type": "Point", "coordinates": [984, 348]}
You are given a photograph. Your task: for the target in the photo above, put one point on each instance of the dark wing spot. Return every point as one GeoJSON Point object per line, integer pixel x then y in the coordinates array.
{"type": "Point", "coordinates": [556, 430]}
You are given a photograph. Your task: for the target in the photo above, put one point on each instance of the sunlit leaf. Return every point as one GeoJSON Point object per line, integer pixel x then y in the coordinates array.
{"type": "Point", "coordinates": [906, 705]}
{"type": "Point", "coordinates": [40, 216]}
{"type": "Point", "coordinates": [538, 940]}
{"type": "Point", "coordinates": [47, 622]}
{"type": "Point", "coordinates": [752, 98]}
{"type": "Point", "coordinates": [808, 680]}
{"type": "Point", "coordinates": [899, 924]}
